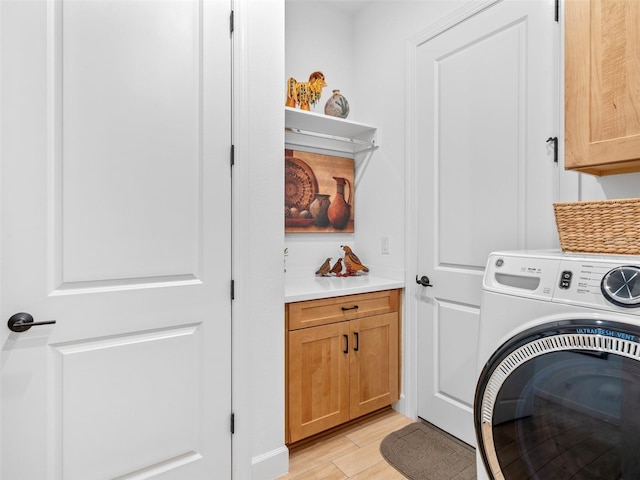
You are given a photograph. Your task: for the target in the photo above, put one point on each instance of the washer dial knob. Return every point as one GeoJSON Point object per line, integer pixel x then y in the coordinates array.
{"type": "Point", "coordinates": [621, 286]}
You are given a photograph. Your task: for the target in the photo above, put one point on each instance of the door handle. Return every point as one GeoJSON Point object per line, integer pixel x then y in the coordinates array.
{"type": "Point", "coordinates": [346, 344]}
{"type": "Point", "coordinates": [424, 281]}
{"type": "Point", "coordinates": [357, 347]}
{"type": "Point", "coordinates": [21, 322]}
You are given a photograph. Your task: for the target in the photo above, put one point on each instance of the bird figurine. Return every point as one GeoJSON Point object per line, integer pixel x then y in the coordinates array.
{"type": "Point", "coordinates": [352, 262]}
{"type": "Point", "coordinates": [324, 268]}
{"type": "Point", "coordinates": [337, 268]}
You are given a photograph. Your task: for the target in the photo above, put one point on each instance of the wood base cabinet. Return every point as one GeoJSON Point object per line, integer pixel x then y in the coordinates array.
{"type": "Point", "coordinates": [345, 365]}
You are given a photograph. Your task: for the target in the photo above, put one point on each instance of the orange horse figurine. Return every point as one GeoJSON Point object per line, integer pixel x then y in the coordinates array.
{"type": "Point", "coordinates": [305, 93]}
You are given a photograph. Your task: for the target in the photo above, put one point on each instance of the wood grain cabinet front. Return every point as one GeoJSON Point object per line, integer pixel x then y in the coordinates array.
{"type": "Point", "coordinates": [343, 367]}
{"type": "Point", "coordinates": [602, 86]}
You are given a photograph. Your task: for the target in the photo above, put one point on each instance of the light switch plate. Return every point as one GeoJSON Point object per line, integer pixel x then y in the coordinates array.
{"type": "Point", "coordinates": [384, 245]}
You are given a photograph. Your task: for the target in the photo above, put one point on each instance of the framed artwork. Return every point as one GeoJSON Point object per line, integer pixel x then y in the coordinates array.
{"type": "Point", "coordinates": [318, 193]}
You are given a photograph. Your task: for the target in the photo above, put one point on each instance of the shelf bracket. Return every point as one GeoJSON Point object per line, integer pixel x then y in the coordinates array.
{"type": "Point", "coordinates": [369, 145]}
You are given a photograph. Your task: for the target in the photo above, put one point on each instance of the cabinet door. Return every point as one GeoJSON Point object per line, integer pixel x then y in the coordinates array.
{"type": "Point", "coordinates": [602, 97]}
{"type": "Point", "coordinates": [374, 363]}
{"type": "Point", "coordinates": [318, 379]}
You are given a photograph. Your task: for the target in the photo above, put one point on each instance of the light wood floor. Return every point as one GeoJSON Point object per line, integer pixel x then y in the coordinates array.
{"type": "Point", "coordinates": [352, 452]}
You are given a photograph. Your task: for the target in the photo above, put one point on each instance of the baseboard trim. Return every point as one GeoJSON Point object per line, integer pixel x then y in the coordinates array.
{"type": "Point", "coordinates": [270, 465]}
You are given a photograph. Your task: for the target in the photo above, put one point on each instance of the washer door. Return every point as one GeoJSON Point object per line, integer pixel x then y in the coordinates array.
{"type": "Point", "coordinates": [562, 401]}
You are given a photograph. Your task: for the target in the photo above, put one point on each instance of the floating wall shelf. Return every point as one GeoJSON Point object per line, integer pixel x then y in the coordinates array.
{"type": "Point", "coordinates": [316, 130]}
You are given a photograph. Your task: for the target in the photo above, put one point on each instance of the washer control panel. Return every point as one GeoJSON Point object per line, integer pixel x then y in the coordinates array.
{"type": "Point", "coordinates": [598, 282]}
{"type": "Point", "coordinates": [607, 282]}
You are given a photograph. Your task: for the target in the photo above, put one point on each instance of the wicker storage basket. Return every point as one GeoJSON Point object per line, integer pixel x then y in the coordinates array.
{"type": "Point", "coordinates": [606, 226]}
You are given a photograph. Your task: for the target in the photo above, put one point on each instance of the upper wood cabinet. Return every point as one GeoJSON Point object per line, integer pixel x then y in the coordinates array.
{"type": "Point", "coordinates": [602, 86]}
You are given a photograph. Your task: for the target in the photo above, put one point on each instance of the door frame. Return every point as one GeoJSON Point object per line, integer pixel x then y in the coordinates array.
{"type": "Point", "coordinates": [1, 192]}
{"type": "Point", "coordinates": [409, 405]}
{"type": "Point", "coordinates": [258, 448]}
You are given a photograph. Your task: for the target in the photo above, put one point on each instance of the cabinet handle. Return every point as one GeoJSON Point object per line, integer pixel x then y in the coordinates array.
{"type": "Point", "coordinates": [355, 349]}
{"type": "Point", "coordinates": [346, 342]}
{"type": "Point", "coordinates": [355, 307]}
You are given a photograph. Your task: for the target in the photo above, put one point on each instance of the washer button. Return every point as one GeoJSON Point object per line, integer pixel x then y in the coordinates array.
{"type": "Point", "coordinates": [565, 279]}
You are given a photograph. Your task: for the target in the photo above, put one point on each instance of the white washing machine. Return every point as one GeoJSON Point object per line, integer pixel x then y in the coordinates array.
{"type": "Point", "coordinates": [558, 394]}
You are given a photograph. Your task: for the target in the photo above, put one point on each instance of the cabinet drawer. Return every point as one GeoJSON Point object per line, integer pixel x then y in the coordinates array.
{"type": "Point", "coordinates": [337, 309]}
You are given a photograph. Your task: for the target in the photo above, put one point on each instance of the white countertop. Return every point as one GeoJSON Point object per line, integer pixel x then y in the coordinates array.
{"type": "Point", "coordinates": [311, 287]}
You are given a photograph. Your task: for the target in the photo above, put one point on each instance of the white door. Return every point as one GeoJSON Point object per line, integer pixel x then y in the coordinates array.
{"type": "Point", "coordinates": [115, 196]}
{"type": "Point", "coordinates": [486, 93]}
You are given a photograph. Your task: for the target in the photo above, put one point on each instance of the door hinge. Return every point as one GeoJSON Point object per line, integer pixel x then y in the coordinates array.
{"type": "Point", "coordinates": [233, 289]}
{"type": "Point", "coordinates": [232, 155]}
{"type": "Point", "coordinates": [557, 11]}
{"type": "Point", "coordinates": [555, 148]}
{"type": "Point", "coordinates": [231, 24]}
{"type": "Point", "coordinates": [233, 423]}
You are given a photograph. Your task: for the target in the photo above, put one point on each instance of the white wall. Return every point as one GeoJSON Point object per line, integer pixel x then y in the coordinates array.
{"type": "Point", "coordinates": [609, 187]}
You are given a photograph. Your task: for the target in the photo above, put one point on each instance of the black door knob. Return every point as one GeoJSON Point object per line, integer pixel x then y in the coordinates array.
{"type": "Point", "coordinates": [21, 322]}
{"type": "Point", "coordinates": [424, 281]}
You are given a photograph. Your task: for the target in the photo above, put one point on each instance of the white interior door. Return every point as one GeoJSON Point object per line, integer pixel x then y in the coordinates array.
{"type": "Point", "coordinates": [486, 93]}
{"type": "Point", "coordinates": [115, 191]}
